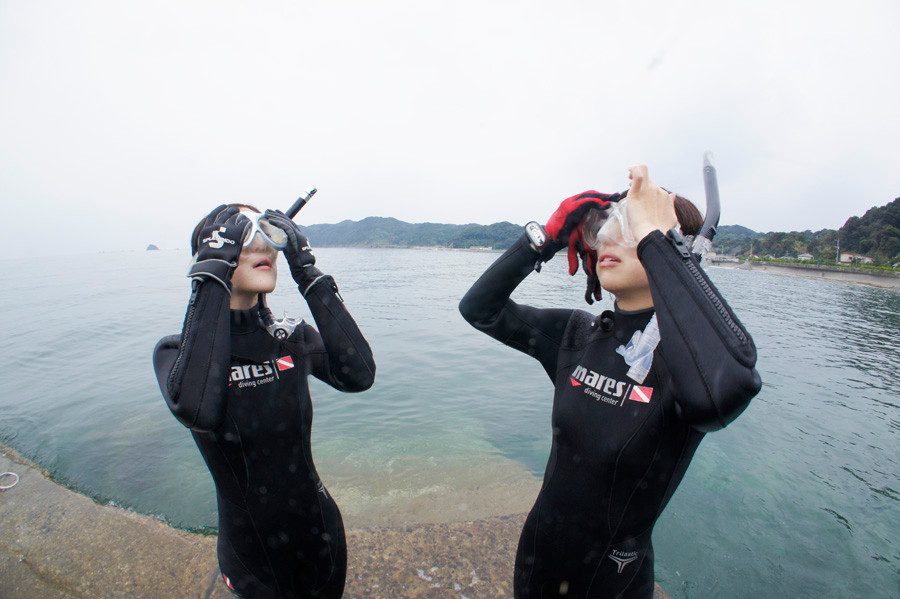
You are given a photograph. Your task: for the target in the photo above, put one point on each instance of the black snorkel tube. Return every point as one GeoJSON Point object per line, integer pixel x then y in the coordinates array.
{"type": "Point", "coordinates": [301, 202]}
{"type": "Point", "coordinates": [703, 240]}
{"type": "Point", "coordinates": [265, 314]}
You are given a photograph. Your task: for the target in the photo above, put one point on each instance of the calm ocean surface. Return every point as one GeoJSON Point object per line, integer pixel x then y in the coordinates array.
{"type": "Point", "coordinates": [800, 497]}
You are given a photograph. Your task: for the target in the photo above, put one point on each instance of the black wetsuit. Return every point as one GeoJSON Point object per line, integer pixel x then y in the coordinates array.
{"type": "Point", "coordinates": [245, 397]}
{"type": "Point", "coordinates": [620, 447]}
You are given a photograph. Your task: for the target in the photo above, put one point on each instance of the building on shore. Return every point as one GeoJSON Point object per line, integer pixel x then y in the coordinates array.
{"type": "Point", "coordinates": [851, 258]}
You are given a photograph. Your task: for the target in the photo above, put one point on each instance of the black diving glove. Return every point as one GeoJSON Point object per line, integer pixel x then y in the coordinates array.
{"type": "Point", "coordinates": [219, 245]}
{"type": "Point", "coordinates": [298, 253]}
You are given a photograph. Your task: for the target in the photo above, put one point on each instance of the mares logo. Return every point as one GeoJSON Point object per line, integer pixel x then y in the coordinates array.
{"type": "Point", "coordinates": [622, 558]}
{"type": "Point", "coordinates": [598, 381]}
{"type": "Point", "coordinates": [251, 375]}
{"type": "Point", "coordinates": [610, 390]}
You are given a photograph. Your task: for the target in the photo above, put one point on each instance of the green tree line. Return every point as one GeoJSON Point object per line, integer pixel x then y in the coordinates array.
{"type": "Point", "coordinates": [875, 234]}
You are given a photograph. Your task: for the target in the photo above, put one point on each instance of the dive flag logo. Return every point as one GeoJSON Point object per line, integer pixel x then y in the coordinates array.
{"type": "Point", "coordinates": [641, 394]}
{"type": "Point", "coordinates": [284, 363]}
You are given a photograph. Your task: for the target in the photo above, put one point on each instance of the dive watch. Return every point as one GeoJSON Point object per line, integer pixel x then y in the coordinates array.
{"type": "Point", "coordinates": [537, 237]}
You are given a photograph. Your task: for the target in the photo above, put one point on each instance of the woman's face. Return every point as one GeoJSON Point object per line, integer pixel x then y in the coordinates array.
{"type": "Point", "coordinates": [256, 272]}
{"type": "Point", "coordinates": [622, 274]}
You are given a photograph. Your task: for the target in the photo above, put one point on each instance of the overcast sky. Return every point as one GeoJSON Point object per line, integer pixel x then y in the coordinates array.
{"type": "Point", "coordinates": [123, 123]}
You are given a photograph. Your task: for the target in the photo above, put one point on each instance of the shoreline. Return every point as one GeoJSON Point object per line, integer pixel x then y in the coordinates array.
{"type": "Point", "coordinates": [883, 280]}
{"type": "Point", "coordinates": [56, 543]}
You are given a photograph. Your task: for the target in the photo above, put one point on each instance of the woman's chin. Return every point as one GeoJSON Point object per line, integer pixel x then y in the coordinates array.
{"type": "Point", "coordinates": [257, 281]}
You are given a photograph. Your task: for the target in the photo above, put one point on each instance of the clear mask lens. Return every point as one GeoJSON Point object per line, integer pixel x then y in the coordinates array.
{"type": "Point", "coordinates": [266, 231]}
{"type": "Point", "coordinates": [611, 228]}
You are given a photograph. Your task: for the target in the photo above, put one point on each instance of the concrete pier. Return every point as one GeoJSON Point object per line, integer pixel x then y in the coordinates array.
{"type": "Point", "coordinates": [58, 544]}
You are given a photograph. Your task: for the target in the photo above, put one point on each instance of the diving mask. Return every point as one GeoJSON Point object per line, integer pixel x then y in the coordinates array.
{"type": "Point", "coordinates": [610, 227]}
{"type": "Point", "coordinates": [269, 233]}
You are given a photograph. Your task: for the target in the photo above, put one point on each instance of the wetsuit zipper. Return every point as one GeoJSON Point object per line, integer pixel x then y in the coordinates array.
{"type": "Point", "coordinates": [707, 290]}
{"type": "Point", "coordinates": [188, 320]}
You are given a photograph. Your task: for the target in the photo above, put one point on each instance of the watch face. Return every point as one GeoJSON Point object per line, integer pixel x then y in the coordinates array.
{"type": "Point", "coordinates": [535, 234]}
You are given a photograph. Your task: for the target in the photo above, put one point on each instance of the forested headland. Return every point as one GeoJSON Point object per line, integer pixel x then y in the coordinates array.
{"type": "Point", "coordinates": [380, 232]}
{"type": "Point", "coordinates": [875, 234]}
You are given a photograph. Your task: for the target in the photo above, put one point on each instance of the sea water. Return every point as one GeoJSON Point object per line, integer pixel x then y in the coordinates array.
{"type": "Point", "coordinates": [800, 497]}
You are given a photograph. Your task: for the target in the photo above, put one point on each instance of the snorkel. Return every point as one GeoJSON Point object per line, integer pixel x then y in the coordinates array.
{"type": "Point", "coordinates": [301, 202]}
{"type": "Point", "coordinates": [282, 329]}
{"type": "Point", "coordinates": [703, 240]}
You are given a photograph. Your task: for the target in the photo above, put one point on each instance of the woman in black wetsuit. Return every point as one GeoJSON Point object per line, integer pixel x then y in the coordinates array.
{"type": "Point", "coordinates": [622, 438]}
{"type": "Point", "coordinates": [238, 380]}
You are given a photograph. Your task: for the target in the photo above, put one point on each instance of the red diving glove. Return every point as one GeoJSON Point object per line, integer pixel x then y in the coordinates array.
{"type": "Point", "coordinates": [566, 225]}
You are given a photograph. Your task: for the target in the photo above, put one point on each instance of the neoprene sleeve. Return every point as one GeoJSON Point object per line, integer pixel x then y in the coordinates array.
{"type": "Point", "coordinates": [192, 369]}
{"type": "Point", "coordinates": [708, 353]}
{"type": "Point", "coordinates": [487, 307]}
{"type": "Point", "coordinates": [346, 362]}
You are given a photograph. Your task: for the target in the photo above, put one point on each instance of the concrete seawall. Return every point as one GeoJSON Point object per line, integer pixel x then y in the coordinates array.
{"type": "Point", "coordinates": [883, 279]}
{"type": "Point", "coordinates": [58, 544]}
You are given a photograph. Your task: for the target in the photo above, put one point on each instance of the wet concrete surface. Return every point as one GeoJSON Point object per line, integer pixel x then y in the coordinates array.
{"type": "Point", "coordinates": [55, 543]}
{"type": "Point", "coordinates": [58, 544]}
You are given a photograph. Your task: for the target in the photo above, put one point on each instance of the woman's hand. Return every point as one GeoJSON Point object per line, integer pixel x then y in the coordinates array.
{"type": "Point", "coordinates": [650, 207]}
{"type": "Point", "coordinates": [222, 234]}
{"type": "Point", "coordinates": [299, 255]}
{"type": "Point", "coordinates": [219, 246]}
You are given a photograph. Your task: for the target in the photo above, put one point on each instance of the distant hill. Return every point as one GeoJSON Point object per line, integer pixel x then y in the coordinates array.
{"type": "Point", "coordinates": [376, 231]}
{"type": "Point", "coordinates": [876, 234]}
{"type": "Point", "coordinates": [732, 239]}
{"type": "Point", "coordinates": [736, 231]}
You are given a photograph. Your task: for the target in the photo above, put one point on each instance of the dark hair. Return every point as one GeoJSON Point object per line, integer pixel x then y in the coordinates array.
{"type": "Point", "coordinates": [688, 216]}
{"type": "Point", "coordinates": [195, 236]}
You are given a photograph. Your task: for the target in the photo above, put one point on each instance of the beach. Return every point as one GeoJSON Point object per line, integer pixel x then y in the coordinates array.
{"type": "Point", "coordinates": [58, 544]}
